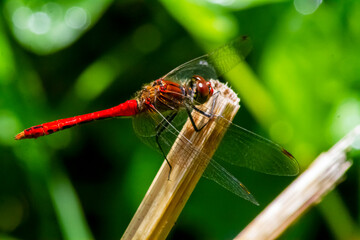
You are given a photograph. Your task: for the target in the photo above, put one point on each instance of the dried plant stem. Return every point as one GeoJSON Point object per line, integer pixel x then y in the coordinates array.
{"type": "Point", "coordinates": [166, 198]}
{"type": "Point", "coordinates": [308, 189]}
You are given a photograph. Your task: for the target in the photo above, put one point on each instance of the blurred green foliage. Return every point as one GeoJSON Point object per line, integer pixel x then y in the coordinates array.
{"type": "Point", "coordinates": [63, 58]}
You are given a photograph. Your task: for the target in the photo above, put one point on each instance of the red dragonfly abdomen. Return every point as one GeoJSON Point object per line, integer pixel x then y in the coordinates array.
{"type": "Point", "coordinates": [128, 108]}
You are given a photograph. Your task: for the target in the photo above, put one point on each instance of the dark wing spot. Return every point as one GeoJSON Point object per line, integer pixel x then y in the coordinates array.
{"type": "Point", "coordinates": [50, 131]}
{"type": "Point", "coordinates": [37, 127]}
{"type": "Point", "coordinates": [287, 154]}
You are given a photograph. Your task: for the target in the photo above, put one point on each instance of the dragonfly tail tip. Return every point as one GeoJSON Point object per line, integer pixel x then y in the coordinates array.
{"type": "Point", "coordinates": [20, 136]}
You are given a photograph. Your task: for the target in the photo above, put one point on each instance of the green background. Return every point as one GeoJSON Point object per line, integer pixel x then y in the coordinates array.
{"type": "Point", "coordinates": [300, 88]}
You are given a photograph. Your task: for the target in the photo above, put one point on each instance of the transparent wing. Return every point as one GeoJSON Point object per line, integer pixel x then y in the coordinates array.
{"type": "Point", "coordinates": [246, 149]}
{"type": "Point", "coordinates": [145, 126]}
{"type": "Point", "coordinates": [214, 64]}
{"type": "Point", "coordinates": [214, 171]}
{"type": "Point", "coordinates": [243, 148]}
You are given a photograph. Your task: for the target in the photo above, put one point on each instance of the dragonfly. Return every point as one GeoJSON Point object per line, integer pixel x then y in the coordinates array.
{"type": "Point", "coordinates": [160, 109]}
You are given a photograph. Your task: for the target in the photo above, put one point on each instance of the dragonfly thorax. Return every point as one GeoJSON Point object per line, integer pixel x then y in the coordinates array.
{"type": "Point", "coordinates": [164, 95]}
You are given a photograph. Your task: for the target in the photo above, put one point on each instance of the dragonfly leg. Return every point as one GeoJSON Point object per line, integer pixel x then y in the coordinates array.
{"type": "Point", "coordinates": [159, 130]}
{"type": "Point", "coordinates": [196, 128]}
{"type": "Point", "coordinates": [209, 115]}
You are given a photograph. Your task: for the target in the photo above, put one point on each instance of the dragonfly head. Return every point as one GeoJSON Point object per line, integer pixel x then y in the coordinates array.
{"type": "Point", "coordinates": [202, 89]}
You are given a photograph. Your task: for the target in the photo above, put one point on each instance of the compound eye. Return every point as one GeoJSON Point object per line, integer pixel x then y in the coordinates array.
{"type": "Point", "coordinates": [203, 89]}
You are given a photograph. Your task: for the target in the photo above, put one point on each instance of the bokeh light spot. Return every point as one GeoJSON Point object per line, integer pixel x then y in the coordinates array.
{"type": "Point", "coordinates": [356, 143]}
{"type": "Point", "coordinates": [224, 2]}
{"type": "Point", "coordinates": [21, 17]}
{"type": "Point", "coordinates": [54, 10]}
{"type": "Point", "coordinates": [147, 38]}
{"type": "Point", "coordinates": [346, 117]}
{"type": "Point", "coordinates": [306, 7]}
{"type": "Point", "coordinates": [223, 24]}
{"type": "Point", "coordinates": [39, 23]}
{"type": "Point", "coordinates": [76, 18]}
